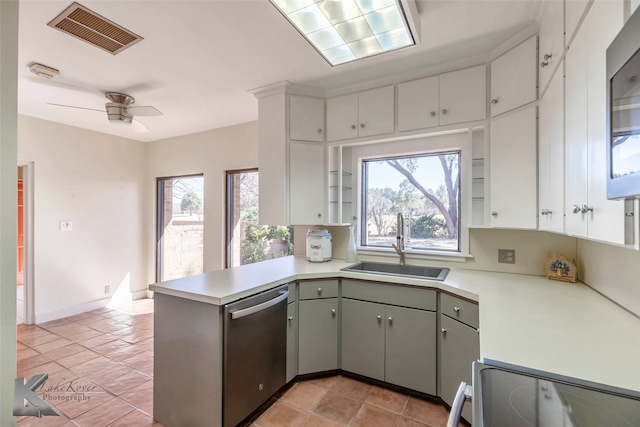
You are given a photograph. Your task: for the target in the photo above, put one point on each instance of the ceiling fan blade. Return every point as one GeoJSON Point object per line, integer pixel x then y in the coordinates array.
{"type": "Point", "coordinates": [138, 127]}
{"type": "Point", "coordinates": [74, 106]}
{"type": "Point", "coordinates": [144, 110]}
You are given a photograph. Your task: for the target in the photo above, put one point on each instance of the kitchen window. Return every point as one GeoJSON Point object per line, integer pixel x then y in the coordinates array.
{"type": "Point", "coordinates": [425, 188]}
{"type": "Point", "coordinates": [247, 241]}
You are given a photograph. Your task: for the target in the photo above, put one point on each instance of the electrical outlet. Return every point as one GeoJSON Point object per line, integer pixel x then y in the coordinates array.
{"type": "Point", "coordinates": [107, 289]}
{"type": "Point", "coordinates": [507, 256]}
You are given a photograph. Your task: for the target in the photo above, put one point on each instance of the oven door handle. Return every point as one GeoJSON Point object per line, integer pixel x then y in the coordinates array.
{"type": "Point", "coordinates": [463, 394]}
{"type": "Point", "coordinates": [259, 307]}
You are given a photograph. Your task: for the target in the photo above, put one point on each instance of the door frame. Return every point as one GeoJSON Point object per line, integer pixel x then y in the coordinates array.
{"type": "Point", "coordinates": [27, 194]}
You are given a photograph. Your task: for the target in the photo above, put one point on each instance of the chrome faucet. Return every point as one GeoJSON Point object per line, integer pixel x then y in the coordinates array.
{"type": "Point", "coordinates": [399, 245]}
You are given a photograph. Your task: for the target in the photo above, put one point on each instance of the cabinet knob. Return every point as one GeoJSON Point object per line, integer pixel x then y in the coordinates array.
{"type": "Point", "coordinates": [379, 318]}
{"type": "Point", "coordinates": [494, 214]}
{"type": "Point", "coordinates": [544, 64]}
{"type": "Point", "coordinates": [319, 215]}
{"type": "Point", "coordinates": [390, 319]}
{"type": "Point", "coordinates": [353, 126]}
{"type": "Point", "coordinates": [456, 309]}
{"type": "Point", "coordinates": [494, 101]}
{"type": "Point", "coordinates": [319, 291]}
{"type": "Point", "coordinates": [319, 130]}
{"type": "Point", "coordinates": [290, 318]}
{"type": "Point", "coordinates": [445, 111]}
{"type": "Point", "coordinates": [333, 311]}
{"type": "Point", "coordinates": [547, 56]}
{"type": "Point", "coordinates": [443, 330]}
{"type": "Point", "coordinates": [575, 209]}
{"type": "Point", "coordinates": [433, 113]}
{"type": "Point", "coordinates": [361, 125]}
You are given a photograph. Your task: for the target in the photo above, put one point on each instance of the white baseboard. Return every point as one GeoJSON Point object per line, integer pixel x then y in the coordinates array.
{"type": "Point", "coordinates": [91, 305]}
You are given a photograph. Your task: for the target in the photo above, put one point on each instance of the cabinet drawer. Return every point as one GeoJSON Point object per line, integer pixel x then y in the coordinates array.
{"type": "Point", "coordinates": [459, 309]}
{"type": "Point", "coordinates": [313, 289]}
{"type": "Point", "coordinates": [424, 299]}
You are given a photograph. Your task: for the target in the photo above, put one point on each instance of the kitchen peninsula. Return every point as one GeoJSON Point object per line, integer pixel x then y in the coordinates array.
{"type": "Point", "coordinates": [564, 328]}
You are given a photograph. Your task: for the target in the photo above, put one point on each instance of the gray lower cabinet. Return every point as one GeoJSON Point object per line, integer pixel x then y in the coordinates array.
{"type": "Point", "coordinates": [459, 348]}
{"type": "Point", "coordinates": [318, 321]}
{"type": "Point", "coordinates": [389, 343]}
{"type": "Point", "coordinates": [292, 340]}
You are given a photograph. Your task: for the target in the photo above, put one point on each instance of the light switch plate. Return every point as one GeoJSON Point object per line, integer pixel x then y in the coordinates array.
{"type": "Point", "coordinates": [507, 256]}
{"type": "Point", "coordinates": [66, 225]}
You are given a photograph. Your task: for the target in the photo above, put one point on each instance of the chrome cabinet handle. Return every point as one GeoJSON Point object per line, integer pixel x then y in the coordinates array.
{"type": "Point", "coordinates": [379, 318]}
{"type": "Point", "coordinates": [361, 125]}
{"type": "Point", "coordinates": [494, 214]}
{"type": "Point", "coordinates": [545, 212]}
{"type": "Point", "coordinates": [390, 320]}
{"type": "Point", "coordinates": [544, 64]}
{"type": "Point", "coordinates": [456, 309]}
{"type": "Point", "coordinates": [445, 111]}
{"type": "Point", "coordinates": [575, 209]}
{"type": "Point", "coordinates": [494, 101]}
{"type": "Point", "coordinates": [290, 318]}
{"type": "Point", "coordinates": [333, 311]}
{"type": "Point", "coordinates": [319, 130]}
{"type": "Point", "coordinates": [443, 330]}
{"type": "Point", "coordinates": [319, 291]}
{"type": "Point", "coordinates": [353, 126]}
{"type": "Point", "coordinates": [433, 113]}
{"type": "Point", "coordinates": [583, 209]}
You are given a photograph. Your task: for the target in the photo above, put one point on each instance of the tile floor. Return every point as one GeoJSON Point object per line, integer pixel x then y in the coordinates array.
{"type": "Point", "coordinates": [100, 367]}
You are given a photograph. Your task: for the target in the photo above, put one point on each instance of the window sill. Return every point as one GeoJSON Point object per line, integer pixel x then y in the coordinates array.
{"type": "Point", "coordinates": [414, 254]}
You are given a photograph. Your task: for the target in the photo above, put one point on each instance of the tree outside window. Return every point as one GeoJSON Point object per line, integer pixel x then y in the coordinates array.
{"type": "Point", "coordinates": [425, 189]}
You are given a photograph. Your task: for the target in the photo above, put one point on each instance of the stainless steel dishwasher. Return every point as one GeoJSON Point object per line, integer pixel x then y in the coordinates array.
{"type": "Point", "coordinates": [255, 352]}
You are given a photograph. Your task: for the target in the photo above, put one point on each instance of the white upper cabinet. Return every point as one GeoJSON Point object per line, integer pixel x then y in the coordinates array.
{"type": "Point", "coordinates": [513, 170]}
{"type": "Point", "coordinates": [306, 118]}
{"type": "Point", "coordinates": [463, 95]}
{"type": "Point", "coordinates": [455, 97]}
{"type": "Point", "coordinates": [551, 41]}
{"type": "Point", "coordinates": [551, 157]}
{"type": "Point", "coordinates": [360, 114]}
{"type": "Point", "coordinates": [306, 184]}
{"type": "Point", "coordinates": [574, 9]}
{"type": "Point", "coordinates": [588, 212]}
{"type": "Point", "coordinates": [513, 78]}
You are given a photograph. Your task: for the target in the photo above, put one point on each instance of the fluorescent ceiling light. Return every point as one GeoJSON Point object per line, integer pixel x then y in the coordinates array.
{"type": "Point", "coordinates": [347, 30]}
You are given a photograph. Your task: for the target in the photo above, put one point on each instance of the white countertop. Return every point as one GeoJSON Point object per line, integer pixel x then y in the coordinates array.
{"type": "Point", "coordinates": [564, 328]}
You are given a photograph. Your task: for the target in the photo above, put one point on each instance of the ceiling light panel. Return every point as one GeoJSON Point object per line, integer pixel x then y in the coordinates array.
{"type": "Point", "coordinates": [346, 30]}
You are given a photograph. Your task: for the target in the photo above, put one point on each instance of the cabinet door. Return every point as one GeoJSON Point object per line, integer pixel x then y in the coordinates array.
{"type": "Point", "coordinates": [318, 335]}
{"type": "Point", "coordinates": [375, 111]}
{"type": "Point", "coordinates": [410, 351]}
{"type": "Point", "coordinates": [363, 338]}
{"type": "Point", "coordinates": [551, 41]}
{"type": "Point", "coordinates": [576, 101]}
{"type": "Point", "coordinates": [342, 117]}
{"type": "Point", "coordinates": [418, 102]}
{"type": "Point", "coordinates": [551, 157]}
{"type": "Point", "coordinates": [463, 95]}
{"type": "Point", "coordinates": [606, 220]}
{"type": "Point", "coordinates": [306, 183]}
{"type": "Point", "coordinates": [292, 340]}
{"type": "Point", "coordinates": [306, 118]}
{"type": "Point", "coordinates": [513, 78]}
{"type": "Point", "coordinates": [459, 348]}
{"type": "Point", "coordinates": [574, 10]}
{"type": "Point", "coordinates": [513, 173]}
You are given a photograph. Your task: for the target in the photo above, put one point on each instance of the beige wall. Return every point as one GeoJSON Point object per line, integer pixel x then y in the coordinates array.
{"type": "Point", "coordinates": [211, 153]}
{"type": "Point", "coordinates": [97, 181]}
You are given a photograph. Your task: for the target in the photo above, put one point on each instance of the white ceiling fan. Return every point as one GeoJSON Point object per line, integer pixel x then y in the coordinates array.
{"type": "Point", "coordinates": [120, 111]}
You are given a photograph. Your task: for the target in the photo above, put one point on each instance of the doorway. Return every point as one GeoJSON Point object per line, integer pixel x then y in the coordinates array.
{"type": "Point", "coordinates": [24, 245]}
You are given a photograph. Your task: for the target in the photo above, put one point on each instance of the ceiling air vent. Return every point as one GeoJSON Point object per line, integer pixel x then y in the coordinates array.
{"type": "Point", "coordinates": [87, 25]}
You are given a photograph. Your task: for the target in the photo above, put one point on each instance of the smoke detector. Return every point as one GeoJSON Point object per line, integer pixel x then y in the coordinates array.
{"type": "Point", "coordinates": [43, 71]}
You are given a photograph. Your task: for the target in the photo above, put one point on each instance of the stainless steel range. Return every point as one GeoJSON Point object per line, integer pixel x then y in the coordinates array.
{"type": "Point", "coordinates": [506, 395]}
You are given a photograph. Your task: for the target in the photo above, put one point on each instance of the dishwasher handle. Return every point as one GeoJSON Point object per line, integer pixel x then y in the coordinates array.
{"type": "Point", "coordinates": [259, 307]}
{"type": "Point", "coordinates": [463, 394]}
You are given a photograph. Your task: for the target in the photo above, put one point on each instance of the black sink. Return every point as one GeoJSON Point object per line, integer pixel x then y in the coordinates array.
{"type": "Point", "coordinates": [431, 273]}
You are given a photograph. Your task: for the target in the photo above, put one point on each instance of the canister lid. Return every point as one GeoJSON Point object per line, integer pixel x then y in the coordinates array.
{"type": "Point", "coordinates": [318, 232]}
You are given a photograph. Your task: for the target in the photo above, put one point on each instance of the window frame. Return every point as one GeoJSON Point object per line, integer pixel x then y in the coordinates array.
{"type": "Point", "coordinates": [462, 140]}
{"type": "Point", "coordinates": [228, 239]}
